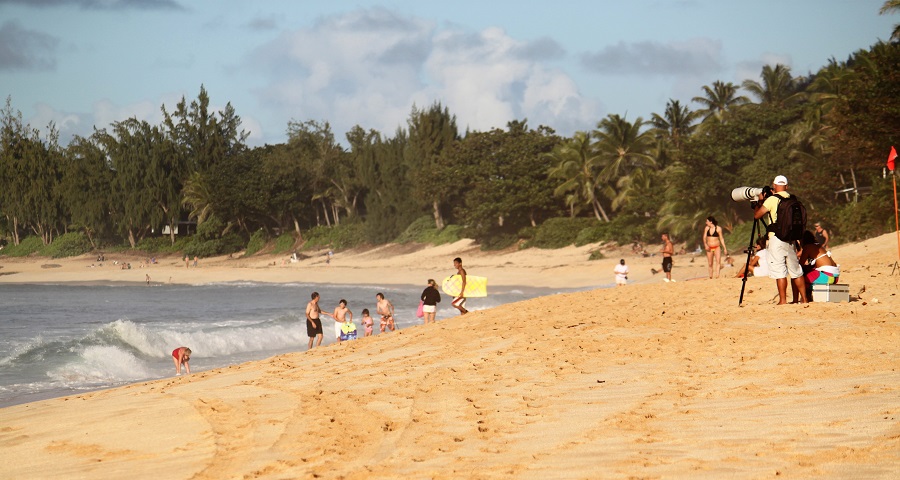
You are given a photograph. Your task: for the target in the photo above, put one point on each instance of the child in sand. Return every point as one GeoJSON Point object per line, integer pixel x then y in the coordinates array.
{"type": "Point", "coordinates": [367, 322]}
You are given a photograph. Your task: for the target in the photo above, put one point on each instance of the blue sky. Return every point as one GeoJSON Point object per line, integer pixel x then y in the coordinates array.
{"type": "Point", "coordinates": [566, 64]}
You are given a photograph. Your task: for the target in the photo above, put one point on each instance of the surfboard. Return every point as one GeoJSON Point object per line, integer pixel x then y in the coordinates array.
{"type": "Point", "coordinates": [475, 286]}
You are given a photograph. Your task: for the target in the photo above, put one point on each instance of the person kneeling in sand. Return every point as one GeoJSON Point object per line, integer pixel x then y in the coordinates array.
{"type": "Point", "coordinates": [182, 356]}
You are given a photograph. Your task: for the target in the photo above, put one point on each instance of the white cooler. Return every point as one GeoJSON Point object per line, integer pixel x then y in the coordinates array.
{"type": "Point", "coordinates": [838, 292]}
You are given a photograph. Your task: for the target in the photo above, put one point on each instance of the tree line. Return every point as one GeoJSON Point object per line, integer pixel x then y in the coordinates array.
{"type": "Point", "coordinates": [828, 132]}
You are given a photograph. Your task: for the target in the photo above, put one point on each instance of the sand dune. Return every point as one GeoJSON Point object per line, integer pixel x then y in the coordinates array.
{"type": "Point", "coordinates": [652, 380]}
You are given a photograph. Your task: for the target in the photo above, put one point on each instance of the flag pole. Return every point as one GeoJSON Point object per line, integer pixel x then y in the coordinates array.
{"type": "Point", "coordinates": [890, 164]}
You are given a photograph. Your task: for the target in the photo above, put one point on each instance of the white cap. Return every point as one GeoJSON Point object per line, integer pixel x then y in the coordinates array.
{"type": "Point", "coordinates": [780, 180]}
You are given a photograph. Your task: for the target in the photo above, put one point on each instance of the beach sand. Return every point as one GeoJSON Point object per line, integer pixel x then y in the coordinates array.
{"type": "Point", "coordinates": [651, 380]}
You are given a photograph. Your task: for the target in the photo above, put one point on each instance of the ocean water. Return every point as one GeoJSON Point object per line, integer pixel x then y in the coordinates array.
{"type": "Point", "coordinates": [58, 340]}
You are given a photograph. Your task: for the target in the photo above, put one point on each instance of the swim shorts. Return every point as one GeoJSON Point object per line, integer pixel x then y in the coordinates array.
{"type": "Point", "coordinates": [313, 331]}
{"type": "Point", "coordinates": [667, 264]}
{"type": "Point", "coordinates": [458, 302]}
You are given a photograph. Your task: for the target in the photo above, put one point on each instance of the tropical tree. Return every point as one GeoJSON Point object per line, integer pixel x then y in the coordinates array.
{"type": "Point", "coordinates": [624, 149]}
{"type": "Point", "coordinates": [892, 6]}
{"type": "Point", "coordinates": [676, 123]}
{"type": "Point", "coordinates": [717, 101]}
{"type": "Point", "coordinates": [86, 187]}
{"type": "Point", "coordinates": [431, 132]}
{"type": "Point", "coordinates": [776, 88]}
{"type": "Point", "coordinates": [576, 162]}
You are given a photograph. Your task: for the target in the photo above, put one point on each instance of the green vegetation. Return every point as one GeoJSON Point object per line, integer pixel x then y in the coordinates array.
{"type": "Point", "coordinates": [624, 180]}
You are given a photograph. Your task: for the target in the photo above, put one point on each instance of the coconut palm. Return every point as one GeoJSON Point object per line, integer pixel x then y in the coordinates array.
{"type": "Point", "coordinates": [892, 6]}
{"type": "Point", "coordinates": [623, 146]}
{"type": "Point", "coordinates": [718, 100]}
{"type": "Point", "coordinates": [577, 163]}
{"type": "Point", "coordinates": [196, 195]}
{"type": "Point", "coordinates": [676, 123]}
{"type": "Point", "coordinates": [777, 88]}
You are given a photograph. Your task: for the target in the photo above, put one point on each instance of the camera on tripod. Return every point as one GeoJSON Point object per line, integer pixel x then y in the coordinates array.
{"type": "Point", "coordinates": [741, 194]}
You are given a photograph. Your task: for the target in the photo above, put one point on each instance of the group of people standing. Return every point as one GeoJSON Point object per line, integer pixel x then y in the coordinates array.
{"type": "Point", "coordinates": [809, 265]}
{"type": "Point", "coordinates": [343, 316]}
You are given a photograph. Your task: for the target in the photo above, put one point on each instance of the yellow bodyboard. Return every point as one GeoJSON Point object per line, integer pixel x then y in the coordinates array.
{"type": "Point", "coordinates": [475, 286]}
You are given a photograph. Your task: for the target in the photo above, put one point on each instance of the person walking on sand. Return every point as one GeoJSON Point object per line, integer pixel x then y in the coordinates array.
{"type": "Point", "coordinates": [385, 308]}
{"type": "Point", "coordinates": [460, 301]}
{"type": "Point", "coordinates": [314, 321]}
{"type": "Point", "coordinates": [667, 251]}
{"type": "Point", "coordinates": [182, 356]}
{"type": "Point", "coordinates": [621, 272]}
{"type": "Point", "coordinates": [713, 239]}
{"type": "Point", "coordinates": [430, 298]}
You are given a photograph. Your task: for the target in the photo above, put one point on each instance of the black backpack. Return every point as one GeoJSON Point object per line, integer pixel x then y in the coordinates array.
{"type": "Point", "coordinates": [791, 221]}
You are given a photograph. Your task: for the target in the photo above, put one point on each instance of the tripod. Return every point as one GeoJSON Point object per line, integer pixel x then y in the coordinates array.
{"type": "Point", "coordinates": [753, 232]}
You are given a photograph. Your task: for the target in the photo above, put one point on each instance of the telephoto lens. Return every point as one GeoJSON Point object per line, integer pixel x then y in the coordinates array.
{"type": "Point", "coordinates": [742, 194]}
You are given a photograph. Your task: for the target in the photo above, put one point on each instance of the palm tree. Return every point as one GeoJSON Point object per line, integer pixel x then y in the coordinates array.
{"type": "Point", "coordinates": [579, 165]}
{"type": "Point", "coordinates": [623, 147]}
{"type": "Point", "coordinates": [777, 88]}
{"type": "Point", "coordinates": [676, 123]}
{"type": "Point", "coordinates": [196, 195]}
{"type": "Point", "coordinates": [892, 6]}
{"type": "Point", "coordinates": [718, 100]}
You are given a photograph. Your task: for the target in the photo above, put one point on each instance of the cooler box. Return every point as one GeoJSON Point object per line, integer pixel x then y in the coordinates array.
{"type": "Point", "coordinates": [838, 292]}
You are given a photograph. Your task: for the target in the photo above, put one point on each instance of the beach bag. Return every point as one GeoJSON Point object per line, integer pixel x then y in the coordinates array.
{"type": "Point", "coordinates": [791, 221]}
{"type": "Point", "coordinates": [420, 312]}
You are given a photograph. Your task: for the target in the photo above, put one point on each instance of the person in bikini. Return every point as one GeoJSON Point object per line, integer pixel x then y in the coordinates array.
{"type": "Point", "coordinates": [713, 239]}
{"type": "Point", "coordinates": [817, 264]}
{"type": "Point", "coordinates": [182, 356]}
{"type": "Point", "coordinates": [385, 308]}
{"type": "Point", "coordinates": [367, 322]}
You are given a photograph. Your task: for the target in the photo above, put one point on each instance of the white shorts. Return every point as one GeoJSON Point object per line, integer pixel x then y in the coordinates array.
{"type": "Point", "coordinates": [782, 259]}
{"type": "Point", "coordinates": [429, 308]}
{"type": "Point", "coordinates": [459, 302]}
{"type": "Point", "coordinates": [337, 329]}
{"type": "Point", "coordinates": [621, 280]}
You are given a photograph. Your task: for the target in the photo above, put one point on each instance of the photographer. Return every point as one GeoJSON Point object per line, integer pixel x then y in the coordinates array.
{"type": "Point", "coordinates": [782, 257]}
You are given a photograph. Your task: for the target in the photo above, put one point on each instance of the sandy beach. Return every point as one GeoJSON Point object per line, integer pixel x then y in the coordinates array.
{"type": "Point", "coordinates": [651, 380]}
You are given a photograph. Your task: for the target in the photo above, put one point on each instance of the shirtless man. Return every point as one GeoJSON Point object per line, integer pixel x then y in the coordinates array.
{"type": "Point", "coordinates": [341, 315]}
{"type": "Point", "coordinates": [460, 301]}
{"type": "Point", "coordinates": [385, 308]}
{"type": "Point", "coordinates": [314, 320]}
{"type": "Point", "coordinates": [667, 251]}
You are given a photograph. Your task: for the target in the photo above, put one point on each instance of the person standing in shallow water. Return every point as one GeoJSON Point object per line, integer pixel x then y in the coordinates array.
{"type": "Point", "coordinates": [314, 321]}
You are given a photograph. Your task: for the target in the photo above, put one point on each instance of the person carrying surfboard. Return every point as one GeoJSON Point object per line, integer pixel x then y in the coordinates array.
{"type": "Point", "coordinates": [460, 302]}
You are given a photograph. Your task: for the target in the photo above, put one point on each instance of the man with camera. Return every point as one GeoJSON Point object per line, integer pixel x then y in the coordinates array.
{"type": "Point", "coordinates": [782, 257]}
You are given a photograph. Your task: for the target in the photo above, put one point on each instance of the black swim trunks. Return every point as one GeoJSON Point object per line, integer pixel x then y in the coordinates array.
{"type": "Point", "coordinates": [313, 331]}
{"type": "Point", "coordinates": [667, 264]}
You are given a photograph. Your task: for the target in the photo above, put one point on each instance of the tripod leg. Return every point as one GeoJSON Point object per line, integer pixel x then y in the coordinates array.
{"type": "Point", "coordinates": [747, 263]}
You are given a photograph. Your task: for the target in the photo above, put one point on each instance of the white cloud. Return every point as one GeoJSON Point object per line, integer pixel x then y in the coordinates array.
{"type": "Point", "coordinates": [369, 67]}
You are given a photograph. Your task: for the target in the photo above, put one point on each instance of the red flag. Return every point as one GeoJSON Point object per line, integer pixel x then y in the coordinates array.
{"type": "Point", "coordinates": [891, 158]}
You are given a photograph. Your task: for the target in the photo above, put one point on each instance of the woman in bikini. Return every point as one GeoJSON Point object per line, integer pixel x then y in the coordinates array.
{"type": "Point", "coordinates": [816, 261]}
{"type": "Point", "coordinates": [182, 356]}
{"type": "Point", "coordinates": [714, 244]}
